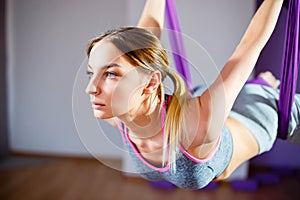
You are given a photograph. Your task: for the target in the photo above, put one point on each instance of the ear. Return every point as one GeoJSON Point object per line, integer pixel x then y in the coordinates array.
{"type": "Point", "coordinates": [153, 84]}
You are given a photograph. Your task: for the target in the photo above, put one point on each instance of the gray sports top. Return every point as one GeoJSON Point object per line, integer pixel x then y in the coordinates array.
{"type": "Point", "coordinates": [191, 173]}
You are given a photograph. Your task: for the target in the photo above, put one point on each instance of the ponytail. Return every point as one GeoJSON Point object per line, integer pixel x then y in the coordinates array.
{"type": "Point", "coordinates": [174, 124]}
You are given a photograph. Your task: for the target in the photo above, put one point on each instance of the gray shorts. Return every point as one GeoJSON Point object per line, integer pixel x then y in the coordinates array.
{"type": "Point", "coordinates": [256, 108]}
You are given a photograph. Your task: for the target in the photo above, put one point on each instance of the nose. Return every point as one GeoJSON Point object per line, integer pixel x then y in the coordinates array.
{"type": "Point", "coordinates": [93, 88]}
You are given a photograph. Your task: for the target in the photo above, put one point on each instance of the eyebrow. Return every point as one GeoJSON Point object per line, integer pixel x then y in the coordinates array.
{"type": "Point", "coordinates": [106, 66]}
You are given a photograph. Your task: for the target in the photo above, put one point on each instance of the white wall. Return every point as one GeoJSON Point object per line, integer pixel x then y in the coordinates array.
{"type": "Point", "coordinates": [46, 47]}
{"type": "Point", "coordinates": [47, 41]}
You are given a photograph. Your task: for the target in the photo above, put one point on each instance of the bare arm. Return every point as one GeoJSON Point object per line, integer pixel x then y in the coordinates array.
{"type": "Point", "coordinates": [152, 17]}
{"type": "Point", "coordinates": [217, 101]}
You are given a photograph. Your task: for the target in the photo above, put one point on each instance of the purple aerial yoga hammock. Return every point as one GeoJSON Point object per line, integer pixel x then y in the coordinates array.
{"type": "Point", "coordinates": [176, 41]}
{"type": "Point", "coordinates": [290, 65]}
{"type": "Point", "coordinates": [290, 61]}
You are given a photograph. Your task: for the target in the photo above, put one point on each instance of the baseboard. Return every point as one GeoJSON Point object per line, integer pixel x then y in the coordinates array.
{"type": "Point", "coordinates": [104, 160]}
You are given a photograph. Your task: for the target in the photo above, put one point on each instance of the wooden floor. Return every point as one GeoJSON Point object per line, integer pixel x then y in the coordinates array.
{"type": "Point", "coordinates": [88, 179]}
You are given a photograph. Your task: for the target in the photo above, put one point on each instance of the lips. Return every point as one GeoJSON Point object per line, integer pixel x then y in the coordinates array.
{"type": "Point", "coordinates": [97, 105]}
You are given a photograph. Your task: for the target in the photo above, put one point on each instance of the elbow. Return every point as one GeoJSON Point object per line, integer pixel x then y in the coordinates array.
{"type": "Point", "coordinates": [152, 25]}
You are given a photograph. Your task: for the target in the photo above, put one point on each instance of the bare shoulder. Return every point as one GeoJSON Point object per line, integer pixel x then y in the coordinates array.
{"type": "Point", "coordinates": [197, 141]}
{"type": "Point", "coordinates": [196, 124]}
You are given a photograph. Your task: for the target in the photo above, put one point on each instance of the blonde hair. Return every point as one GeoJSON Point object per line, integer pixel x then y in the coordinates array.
{"type": "Point", "coordinates": [144, 49]}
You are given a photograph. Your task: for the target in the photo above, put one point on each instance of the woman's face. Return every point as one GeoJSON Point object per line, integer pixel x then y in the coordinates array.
{"type": "Point", "coordinates": [116, 86]}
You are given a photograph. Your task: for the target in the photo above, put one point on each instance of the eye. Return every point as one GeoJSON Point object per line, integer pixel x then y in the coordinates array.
{"type": "Point", "coordinates": [111, 75]}
{"type": "Point", "coordinates": [90, 74]}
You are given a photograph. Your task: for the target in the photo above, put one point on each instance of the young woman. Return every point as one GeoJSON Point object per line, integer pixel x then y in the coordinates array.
{"type": "Point", "coordinates": [187, 139]}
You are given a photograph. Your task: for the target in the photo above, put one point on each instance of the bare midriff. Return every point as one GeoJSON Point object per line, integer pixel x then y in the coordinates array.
{"type": "Point", "coordinates": [245, 146]}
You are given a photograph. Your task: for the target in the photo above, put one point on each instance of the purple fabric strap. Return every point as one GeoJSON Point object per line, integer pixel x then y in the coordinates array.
{"type": "Point", "coordinates": [289, 72]}
{"type": "Point", "coordinates": [176, 42]}
{"type": "Point", "coordinates": [259, 81]}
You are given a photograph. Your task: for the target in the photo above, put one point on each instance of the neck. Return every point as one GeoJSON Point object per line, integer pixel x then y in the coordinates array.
{"type": "Point", "coordinates": [146, 122]}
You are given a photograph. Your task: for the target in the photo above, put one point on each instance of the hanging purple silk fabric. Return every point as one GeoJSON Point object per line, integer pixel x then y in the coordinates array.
{"type": "Point", "coordinates": [290, 61]}
{"type": "Point", "coordinates": [176, 42]}
{"type": "Point", "coordinates": [290, 65]}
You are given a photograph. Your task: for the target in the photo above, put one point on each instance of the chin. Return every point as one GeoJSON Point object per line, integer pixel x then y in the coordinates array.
{"type": "Point", "coordinates": [102, 115]}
